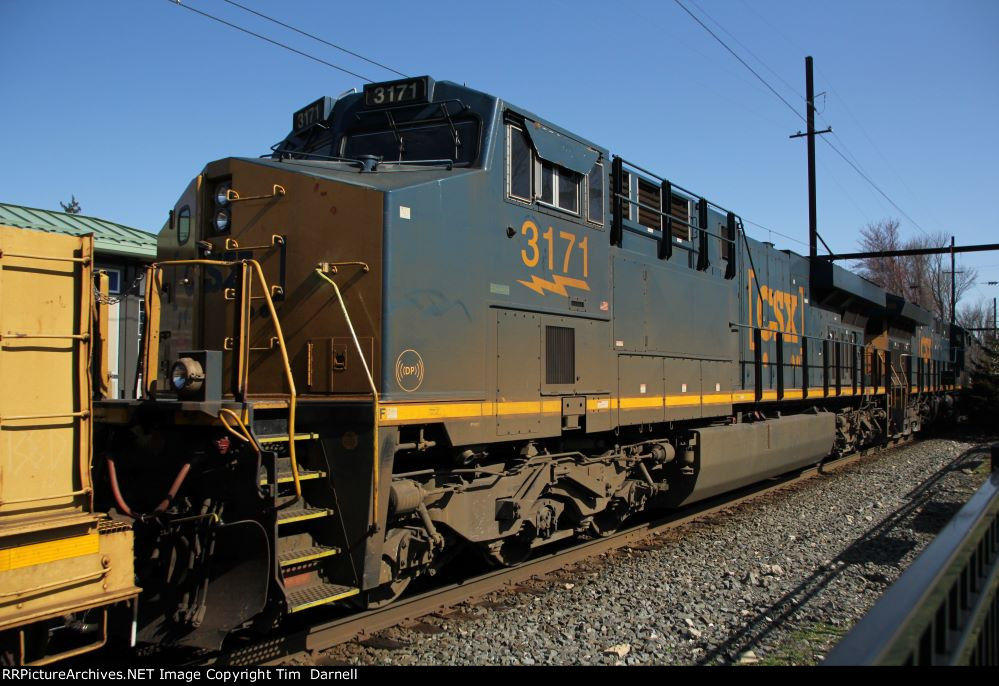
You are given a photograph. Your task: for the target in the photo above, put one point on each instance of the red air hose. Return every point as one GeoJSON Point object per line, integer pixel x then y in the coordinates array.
{"type": "Point", "coordinates": [177, 483]}
{"type": "Point", "coordinates": [113, 474]}
{"type": "Point", "coordinates": [164, 504]}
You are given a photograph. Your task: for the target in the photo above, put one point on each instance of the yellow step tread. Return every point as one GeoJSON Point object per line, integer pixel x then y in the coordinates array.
{"type": "Point", "coordinates": [318, 594]}
{"type": "Point", "coordinates": [284, 476]}
{"type": "Point", "coordinates": [300, 515]}
{"type": "Point", "coordinates": [300, 555]}
{"type": "Point", "coordinates": [283, 438]}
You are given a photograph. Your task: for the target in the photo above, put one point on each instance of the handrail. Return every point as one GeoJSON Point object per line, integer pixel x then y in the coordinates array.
{"type": "Point", "coordinates": [233, 244]}
{"type": "Point", "coordinates": [374, 393]}
{"type": "Point", "coordinates": [39, 498]}
{"type": "Point", "coordinates": [293, 394]}
{"type": "Point", "coordinates": [939, 610]}
{"type": "Point", "coordinates": [35, 590]}
{"type": "Point", "coordinates": [82, 414]}
{"type": "Point", "coordinates": [254, 266]}
{"type": "Point", "coordinates": [46, 336]}
{"type": "Point", "coordinates": [674, 185]}
{"type": "Point", "coordinates": [671, 217]}
{"type": "Point", "coordinates": [48, 258]}
{"type": "Point", "coordinates": [668, 214]}
{"type": "Point", "coordinates": [244, 434]}
{"type": "Point", "coordinates": [232, 196]}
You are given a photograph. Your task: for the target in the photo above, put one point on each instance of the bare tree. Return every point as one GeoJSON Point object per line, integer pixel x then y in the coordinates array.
{"type": "Point", "coordinates": [891, 273]}
{"type": "Point", "coordinates": [922, 279]}
{"type": "Point", "coordinates": [977, 316]}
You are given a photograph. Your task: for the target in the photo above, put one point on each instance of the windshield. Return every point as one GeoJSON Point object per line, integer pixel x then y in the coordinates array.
{"type": "Point", "coordinates": [446, 140]}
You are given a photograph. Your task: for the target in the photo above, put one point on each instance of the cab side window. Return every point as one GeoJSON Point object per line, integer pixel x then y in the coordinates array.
{"type": "Point", "coordinates": [183, 225]}
{"type": "Point", "coordinates": [529, 179]}
{"type": "Point", "coordinates": [595, 194]}
{"type": "Point", "coordinates": [558, 187]}
{"type": "Point", "coordinates": [520, 164]}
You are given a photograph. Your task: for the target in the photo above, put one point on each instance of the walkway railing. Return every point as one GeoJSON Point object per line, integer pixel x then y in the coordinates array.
{"type": "Point", "coordinates": [944, 610]}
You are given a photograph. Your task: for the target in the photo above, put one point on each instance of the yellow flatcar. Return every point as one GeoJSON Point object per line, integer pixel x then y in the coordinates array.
{"type": "Point", "coordinates": [62, 565]}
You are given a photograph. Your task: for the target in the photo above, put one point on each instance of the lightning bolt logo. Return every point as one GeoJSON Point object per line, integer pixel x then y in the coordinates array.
{"type": "Point", "coordinates": [557, 285]}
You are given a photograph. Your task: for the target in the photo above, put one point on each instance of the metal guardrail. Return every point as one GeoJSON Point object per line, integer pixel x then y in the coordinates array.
{"type": "Point", "coordinates": [944, 610]}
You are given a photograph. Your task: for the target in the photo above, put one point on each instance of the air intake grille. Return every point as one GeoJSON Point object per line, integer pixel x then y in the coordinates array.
{"type": "Point", "coordinates": [649, 195]}
{"type": "Point", "coordinates": [560, 355]}
{"type": "Point", "coordinates": [680, 209]}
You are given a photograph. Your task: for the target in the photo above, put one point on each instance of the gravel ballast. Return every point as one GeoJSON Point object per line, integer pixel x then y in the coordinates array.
{"type": "Point", "coordinates": [777, 580]}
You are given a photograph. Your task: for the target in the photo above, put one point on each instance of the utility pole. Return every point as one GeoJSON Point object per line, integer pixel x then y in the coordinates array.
{"type": "Point", "coordinates": [813, 231]}
{"type": "Point", "coordinates": [813, 224]}
{"type": "Point", "coordinates": [953, 285]}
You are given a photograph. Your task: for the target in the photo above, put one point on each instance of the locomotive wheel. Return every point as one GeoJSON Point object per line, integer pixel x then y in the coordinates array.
{"type": "Point", "coordinates": [507, 553]}
{"type": "Point", "coordinates": [387, 592]}
{"type": "Point", "coordinates": [608, 522]}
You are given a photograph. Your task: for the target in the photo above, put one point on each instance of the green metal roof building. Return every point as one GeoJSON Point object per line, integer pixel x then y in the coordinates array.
{"type": "Point", "coordinates": [109, 238]}
{"type": "Point", "coordinates": [122, 252]}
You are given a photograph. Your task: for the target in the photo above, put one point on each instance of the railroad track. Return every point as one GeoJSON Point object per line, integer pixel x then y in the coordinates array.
{"type": "Point", "coordinates": [311, 640]}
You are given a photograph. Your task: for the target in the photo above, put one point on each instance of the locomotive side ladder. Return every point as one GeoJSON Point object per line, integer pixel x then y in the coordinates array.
{"type": "Point", "coordinates": [898, 398]}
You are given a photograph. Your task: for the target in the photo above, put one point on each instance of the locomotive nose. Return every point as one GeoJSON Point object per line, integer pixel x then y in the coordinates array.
{"type": "Point", "coordinates": [290, 222]}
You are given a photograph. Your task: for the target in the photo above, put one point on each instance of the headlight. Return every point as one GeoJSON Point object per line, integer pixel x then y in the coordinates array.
{"type": "Point", "coordinates": [222, 218]}
{"type": "Point", "coordinates": [222, 194]}
{"type": "Point", "coordinates": [187, 376]}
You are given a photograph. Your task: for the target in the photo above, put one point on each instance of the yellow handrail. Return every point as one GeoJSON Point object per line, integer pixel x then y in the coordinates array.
{"type": "Point", "coordinates": [292, 393]}
{"type": "Point", "coordinates": [243, 434]}
{"type": "Point", "coordinates": [153, 293]}
{"type": "Point", "coordinates": [374, 393]}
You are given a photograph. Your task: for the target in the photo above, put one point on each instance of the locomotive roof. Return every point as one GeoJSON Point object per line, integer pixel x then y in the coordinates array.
{"type": "Point", "coordinates": [384, 179]}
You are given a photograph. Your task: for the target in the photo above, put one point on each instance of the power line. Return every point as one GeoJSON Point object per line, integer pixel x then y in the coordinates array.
{"type": "Point", "coordinates": [269, 40]}
{"type": "Point", "coordinates": [875, 186]}
{"type": "Point", "coordinates": [778, 233]}
{"type": "Point", "coordinates": [791, 107]}
{"type": "Point", "coordinates": [736, 56]}
{"type": "Point", "coordinates": [313, 37]}
{"type": "Point", "coordinates": [827, 169]}
{"type": "Point", "coordinates": [791, 40]}
{"type": "Point", "coordinates": [751, 53]}
{"type": "Point", "coordinates": [874, 144]}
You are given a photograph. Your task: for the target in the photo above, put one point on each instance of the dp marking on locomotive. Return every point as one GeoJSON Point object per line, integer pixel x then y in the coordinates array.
{"type": "Point", "coordinates": [409, 370]}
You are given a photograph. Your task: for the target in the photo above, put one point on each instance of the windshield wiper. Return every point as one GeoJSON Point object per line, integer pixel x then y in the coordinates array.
{"type": "Point", "coordinates": [448, 163]}
{"type": "Point", "coordinates": [454, 130]}
{"type": "Point", "coordinates": [395, 132]}
{"type": "Point", "coordinates": [288, 154]}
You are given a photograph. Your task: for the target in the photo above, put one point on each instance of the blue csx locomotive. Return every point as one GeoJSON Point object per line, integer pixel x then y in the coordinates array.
{"type": "Point", "coordinates": [431, 322]}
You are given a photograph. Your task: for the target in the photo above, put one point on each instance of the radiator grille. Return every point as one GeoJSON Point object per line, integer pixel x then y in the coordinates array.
{"type": "Point", "coordinates": [680, 209]}
{"type": "Point", "coordinates": [560, 355]}
{"type": "Point", "coordinates": [649, 195]}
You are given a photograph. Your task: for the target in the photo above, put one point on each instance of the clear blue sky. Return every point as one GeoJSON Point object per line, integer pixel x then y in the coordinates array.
{"type": "Point", "coordinates": [121, 102]}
